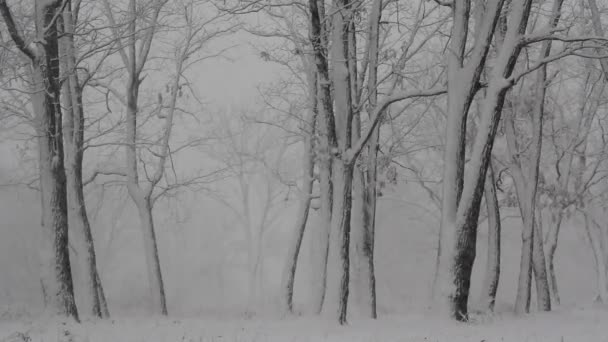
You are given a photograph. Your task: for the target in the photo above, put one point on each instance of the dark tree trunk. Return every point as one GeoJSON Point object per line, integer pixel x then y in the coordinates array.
{"type": "Point", "coordinates": [492, 276]}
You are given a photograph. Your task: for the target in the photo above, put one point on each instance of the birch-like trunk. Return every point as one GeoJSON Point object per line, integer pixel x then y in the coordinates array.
{"type": "Point", "coordinates": [80, 229]}
{"type": "Point", "coordinates": [492, 275]}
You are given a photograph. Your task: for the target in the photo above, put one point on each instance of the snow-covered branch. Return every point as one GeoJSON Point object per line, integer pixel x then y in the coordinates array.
{"type": "Point", "coordinates": [352, 153]}
{"type": "Point", "coordinates": [14, 32]}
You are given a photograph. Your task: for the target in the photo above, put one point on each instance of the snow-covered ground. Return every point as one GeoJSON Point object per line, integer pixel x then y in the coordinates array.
{"type": "Point", "coordinates": [574, 324]}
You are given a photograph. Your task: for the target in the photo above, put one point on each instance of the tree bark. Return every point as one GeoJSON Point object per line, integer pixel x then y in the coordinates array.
{"type": "Point", "coordinates": [460, 212]}
{"type": "Point", "coordinates": [45, 96]}
{"type": "Point", "coordinates": [326, 126]}
{"type": "Point", "coordinates": [289, 271]}
{"type": "Point", "coordinates": [336, 299]}
{"type": "Point", "coordinates": [155, 278]}
{"type": "Point", "coordinates": [599, 258]}
{"type": "Point", "coordinates": [492, 275]}
{"type": "Point", "coordinates": [362, 225]}
{"type": "Point", "coordinates": [80, 229]}
{"type": "Point", "coordinates": [556, 222]}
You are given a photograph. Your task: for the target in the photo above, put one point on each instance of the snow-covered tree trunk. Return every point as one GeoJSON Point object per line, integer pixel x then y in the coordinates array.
{"type": "Point", "coordinates": [308, 164]}
{"type": "Point", "coordinates": [338, 262]}
{"type": "Point", "coordinates": [327, 139]}
{"type": "Point", "coordinates": [492, 275]}
{"type": "Point", "coordinates": [364, 185]}
{"type": "Point", "coordinates": [459, 213]}
{"type": "Point", "coordinates": [80, 229]}
{"type": "Point", "coordinates": [45, 97]}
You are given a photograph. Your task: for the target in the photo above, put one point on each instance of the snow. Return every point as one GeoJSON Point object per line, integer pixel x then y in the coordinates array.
{"type": "Point", "coordinates": [574, 324]}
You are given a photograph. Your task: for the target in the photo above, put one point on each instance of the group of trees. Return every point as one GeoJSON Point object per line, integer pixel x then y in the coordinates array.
{"type": "Point", "coordinates": [479, 72]}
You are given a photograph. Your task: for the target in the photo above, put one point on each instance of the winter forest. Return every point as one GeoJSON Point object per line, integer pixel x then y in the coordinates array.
{"type": "Point", "coordinates": [325, 170]}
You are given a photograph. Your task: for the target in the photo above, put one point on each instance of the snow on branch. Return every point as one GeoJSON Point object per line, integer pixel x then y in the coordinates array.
{"type": "Point", "coordinates": [444, 3]}
{"type": "Point", "coordinates": [14, 31]}
{"type": "Point", "coordinates": [535, 38]}
{"type": "Point", "coordinates": [568, 51]}
{"type": "Point", "coordinates": [103, 172]}
{"type": "Point", "coordinates": [352, 153]}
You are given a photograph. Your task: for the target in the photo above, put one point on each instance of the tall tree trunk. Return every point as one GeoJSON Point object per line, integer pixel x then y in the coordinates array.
{"type": "Point", "coordinates": [338, 263]}
{"type": "Point", "coordinates": [327, 139]}
{"type": "Point", "coordinates": [80, 229]}
{"type": "Point", "coordinates": [45, 97]}
{"type": "Point", "coordinates": [492, 275]}
{"type": "Point", "coordinates": [462, 86]}
{"type": "Point", "coordinates": [155, 278]}
{"type": "Point", "coordinates": [289, 271]}
{"type": "Point", "coordinates": [528, 186]}
{"type": "Point", "coordinates": [362, 265]}
{"type": "Point", "coordinates": [336, 299]}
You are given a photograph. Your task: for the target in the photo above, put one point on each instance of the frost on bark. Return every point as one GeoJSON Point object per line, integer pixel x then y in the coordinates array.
{"type": "Point", "coordinates": [80, 229]}
{"type": "Point", "coordinates": [365, 175]}
{"type": "Point", "coordinates": [327, 139]}
{"type": "Point", "coordinates": [45, 96]}
{"type": "Point", "coordinates": [460, 213]}
{"type": "Point", "coordinates": [338, 261]}
{"type": "Point", "coordinates": [492, 273]}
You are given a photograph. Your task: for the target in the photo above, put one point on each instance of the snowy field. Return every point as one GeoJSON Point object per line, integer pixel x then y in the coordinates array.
{"type": "Point", "coordinates": [574, 324]}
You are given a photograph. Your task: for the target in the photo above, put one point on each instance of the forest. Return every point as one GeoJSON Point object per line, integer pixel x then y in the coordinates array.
{"type": "Point", "coordinates": [252, 170]}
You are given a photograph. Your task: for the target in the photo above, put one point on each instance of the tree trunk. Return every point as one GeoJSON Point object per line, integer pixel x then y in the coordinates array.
{"type": "Point", "coordinates": [103, 303]}
{"type": "Point", "coordinates": [528, 186]}
{"type": "Point", "coordinates": [322, 230]}
{"type": "Point", "coordinates": [142, 200]}
{"type": "Point", "coordinates": [155, 278]}
{"type": "Point", "coordinates": [55, 257]}
{"type": "Point", "coordinates": [338, 264]}
{"type": "Point", "coordinates": [552, 239]}
{"type": "Point", "coordinates": [362, 264]}
{"type": "Point", "coordinates": [80, 229]}
{"type": "Point", "coordinates": [336, 299]}
{"type": "Point", "coordinates": [289, 272]}
{"type": "Point", "coordinates": [492, 276]}
{"type": "Point", "coordinates": [539, 266]}
{"type": "Point", "coordinates": [327, 139]}
{"type": "Point", "coordinates": [599, 257]}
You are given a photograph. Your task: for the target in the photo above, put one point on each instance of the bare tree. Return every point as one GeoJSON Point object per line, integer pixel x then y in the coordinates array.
{"type": "Point", "coordinates": [80, 228]}
{"type": "Point", "coordinates": [134, 48]}
{"type": "Point", "coordinates": [45, 90]}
